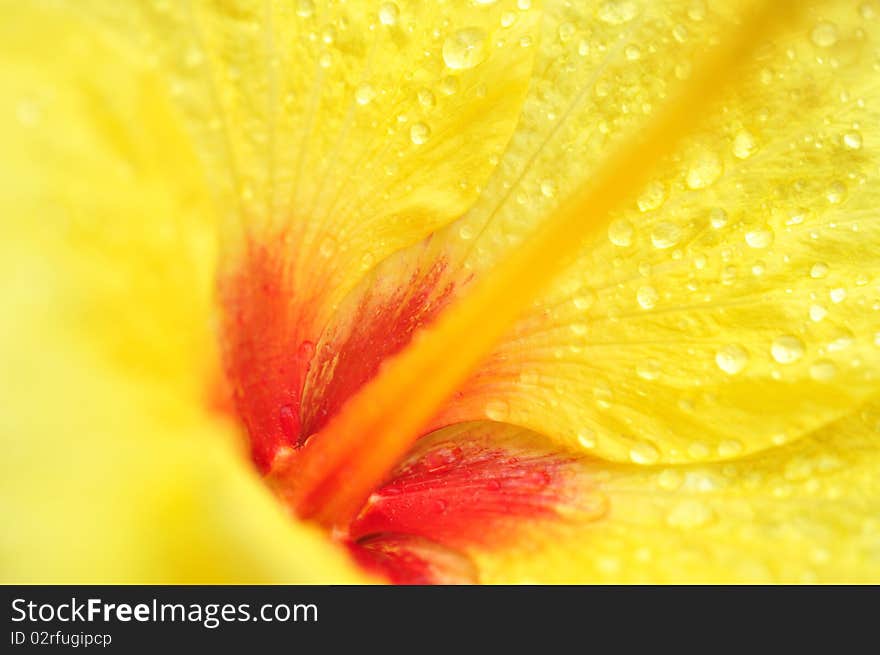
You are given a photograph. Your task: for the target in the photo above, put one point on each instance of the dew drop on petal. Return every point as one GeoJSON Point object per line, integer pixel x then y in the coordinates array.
{"type": "Point", "coordinates": [824, 34]}
{"type": "Point", "coordinates": [620, 232]}
{"type": "Point", "coordinates": [364, 94]}
{"type": "Point", "coordinates": [837, 295]}
{"type": "Point", "coordinates": [787, 349]}
{"type": "Point", "coordinates": [587, 439]}
{"type": "Point", "coordinates": [389, 13]}
{"type": "Point", "coordinates": [644, 452]}
{"type": "Point", "coordinates": [689, 513]}
{"type": "Point", "coordinates": [548, 188]}
{"type": "Point", "coordinates": [617, 12]}
{"type": "Point", "coordinates": [305, 8]}
{"type": "Point", "coordinates": [449, 85]}
{"type": "Point", "coordinates": [760, 237]}
{"type": "Point", "coordinates": [819, 270]}
{"type": "Point", "coordinates": [497, 410]}
{"type": "Point", "coordinates": [669, 480]}
{"type": "Point", "coordinates": [652, 197]}
{"type": "Point", "coordinates": [704, 171]}
{"type": "Point", "coordinates": [718, 218]}
{"type": "Point", "coordinates": [852, 140]}
{"type": "Point", "coordinates": [665, 235]}
{"type": "Point", "coordinates": [419, 133]}
{"type": "Point", "coordinates": [465, 48]}
{"type": "Point", "coordinates": [732, 359]}
{"type": "Point", "coordinates": [584, 300]}
{"type": "Point", "coordinates": [647, 297]}
{"type": "Point", "coordinates": [744, 145]}
{"type": "Point", "coordinates": [648, 369]}
{"type": "Point", "coordinates": [426, 98]}
{"type": "Point", "coordinates": [823, 371]}
{"type": "Point", "coordinates": [730, 448]}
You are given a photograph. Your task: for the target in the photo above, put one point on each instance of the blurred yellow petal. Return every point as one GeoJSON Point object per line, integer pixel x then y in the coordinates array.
{"type": "Point", "coordinates": [115, 467]}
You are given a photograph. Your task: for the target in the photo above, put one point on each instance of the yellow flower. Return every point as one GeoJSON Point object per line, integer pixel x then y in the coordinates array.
{"type": "Point", "coordinates": [337, 226]}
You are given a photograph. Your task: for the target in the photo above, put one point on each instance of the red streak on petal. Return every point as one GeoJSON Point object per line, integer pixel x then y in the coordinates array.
{"type": "Point", "coordinates": [465, 495]}
{"type": "Point", "coordinates": [268, 346]}
{"type": "Point", "coordinates": [408, 560]}
{"type": "Point", "coordinates": [380, 327]}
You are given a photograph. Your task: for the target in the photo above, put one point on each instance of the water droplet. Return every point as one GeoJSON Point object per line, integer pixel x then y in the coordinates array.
{"type": "Point", "coordinates": [817, 313]}
{"type": "Point", "coordinates": [787, 349]}
{"type": "Point", "coordinates": [305, 8]}
{"type": "Point", "coordinates": [426, 98]}
{"type": "Point", "coordinates": [566, 32]}
{"type": "Point", "coordinates": [633, 52]}
{"type": "Point", "coordinates": [819, 270]}
{"type": "Point", "coordinates": [852, 140]}
{"type": "Point", "coordinates": [617, 12]}
{"type": "Point", "coordinates": [603, 397]}
{"type": "Point", "coordinates": [419, 133]}
{"type": "Point", "coordinates": [620, 232]}
{"type": "Point", "coordinates": [647, 297]}
{"type": "Point", "coordinates": [732, 358]}
{"type": "Point", "coordinates": [836, 193]}
{"type": "Point", "coordinates": [744, 144]}
{"type": "Point", "coordinates": [584, 300]}
{"type": "Point", "coordinates": [587, 439]}
{"type": "Point", "coordinates": [760, 237]}
{"type": "Point", "coordinates": [718, 218]}
{"type": "Point", "coordinates": [465, 48]}
{"type": "Point", "coordinates": [449, 85]}
{"type": "Point", "coordinates": [466, 232]}
{"type": "Point", "coordinates": [841, 341]}
{"type": "Point", "coordinates": [837, 295]}
{"type": "Point", "coordinates": [704, 171]}
{"type": "Point", "coordinates": [364, 94]}
{"type": "Point", "coordinates": [689, 513]}
{"type": "Point", "coordinates": [497, 410]}
{"type": "Point", "coordinates": [389, 13]}
{"type": "Point", "coordinates": [648, 369]}
{"type": "Point", "coordinates": [669, 480]}
{"type": "Point", "coordinates": [824, 34]}
{"type": "Point", "coordinates": [644, 452]}
{"type": "Point", "coordinates": [730, 448]}
{"type": "Point", "coordinates": [665, 235]}
{"type": "Point", "coordinates": [823, 371]}
{"type": "Point", "coordinates": [508, 18]}
{"type": "Point", "coordinates": [548, 188]}
{"type": "Point", "coordinates": [652, 197]}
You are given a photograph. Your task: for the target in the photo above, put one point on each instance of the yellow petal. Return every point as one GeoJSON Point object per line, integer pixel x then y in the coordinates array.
{"type": "Point", "coordinates": [350, 129]}
{"type": "Point", "coordinates": [115, 468]}
{"type": "Point", "coordinates": [801, 513]}
{"type": "Point", "coordinates": [734, 306]}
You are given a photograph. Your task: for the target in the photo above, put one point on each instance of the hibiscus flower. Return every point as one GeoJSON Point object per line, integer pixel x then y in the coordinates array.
{"type": "Point", "coordinates": [467, 291]}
